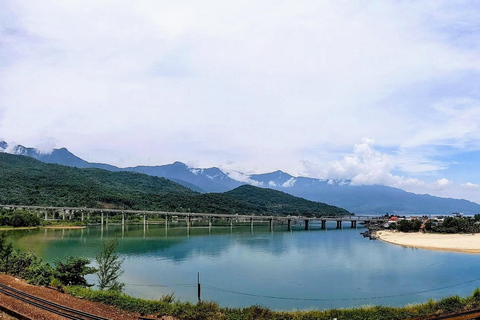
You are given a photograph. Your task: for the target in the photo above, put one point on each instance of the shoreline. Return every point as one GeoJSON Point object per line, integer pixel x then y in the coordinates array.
{"type": "Point", "coordinates": [64, 227]}
{"type": "Point", "coordinates": [463, 243]}
{"type": "Point", "coordinates": [40, 227]}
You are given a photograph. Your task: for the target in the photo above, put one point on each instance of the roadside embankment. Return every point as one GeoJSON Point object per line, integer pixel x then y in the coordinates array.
{"type": "Point", "coordinates": [469, 243]}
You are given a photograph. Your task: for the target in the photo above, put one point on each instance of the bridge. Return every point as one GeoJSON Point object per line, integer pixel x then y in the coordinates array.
{"type": "Point", "coordinates": [57, 213]}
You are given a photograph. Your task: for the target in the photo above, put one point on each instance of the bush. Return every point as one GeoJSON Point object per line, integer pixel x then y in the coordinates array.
{"type": "Point", "coordinates": [19, 218]}
{"type": "Point", "coordinates": [409, 225]}
{"type": "Point", "coordinates": [72, 272]}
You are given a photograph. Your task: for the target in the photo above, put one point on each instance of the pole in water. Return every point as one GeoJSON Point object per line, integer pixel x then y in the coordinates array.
{"type": "Point", "coordinates": [199, 288]}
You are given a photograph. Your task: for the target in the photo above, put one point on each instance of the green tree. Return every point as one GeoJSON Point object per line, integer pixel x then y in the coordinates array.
{"type": "Point", "coordinates": [72, 272]}
{"type": "Point", "coordinates": [109, 267]}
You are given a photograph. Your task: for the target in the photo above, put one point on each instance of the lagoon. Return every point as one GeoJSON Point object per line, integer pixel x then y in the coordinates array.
{"type": "Point", "coordinates": [279, 269]}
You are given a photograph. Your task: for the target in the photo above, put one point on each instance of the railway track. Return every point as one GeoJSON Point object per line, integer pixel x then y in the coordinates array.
{"type": "Point", "coordinates": [462, 315]}
{"type": "Point", "coordinates": [66, 312]}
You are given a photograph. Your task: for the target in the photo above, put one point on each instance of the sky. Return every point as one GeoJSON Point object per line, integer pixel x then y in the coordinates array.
{"type": "Point", "coordinates": [378, 92]}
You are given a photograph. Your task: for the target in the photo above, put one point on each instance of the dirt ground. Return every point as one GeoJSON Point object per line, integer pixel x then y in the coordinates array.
{"type": "Point", "coordinates": [57, 297]}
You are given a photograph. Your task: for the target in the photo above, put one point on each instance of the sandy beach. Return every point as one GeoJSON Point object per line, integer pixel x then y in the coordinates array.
{"type": "Point", "coordinates": [469, 243]}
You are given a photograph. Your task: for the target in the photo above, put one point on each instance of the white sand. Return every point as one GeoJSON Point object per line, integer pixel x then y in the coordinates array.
{"type": "Point", "coordinates": [445, 242]}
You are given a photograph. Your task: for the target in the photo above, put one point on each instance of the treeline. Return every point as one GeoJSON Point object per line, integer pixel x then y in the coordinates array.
{"type": "Point", "coordinates": [26, 181]}
{"type": "Point", "coordinates": [18, 218]}
{"type": "Point", "coordinates": [455, 225]}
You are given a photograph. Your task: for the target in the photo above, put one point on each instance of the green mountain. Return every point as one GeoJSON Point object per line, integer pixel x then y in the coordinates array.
{"type": "Point", "coordinates": [26, 181]}
{"type": "Point", "coordinates": [283, 203]}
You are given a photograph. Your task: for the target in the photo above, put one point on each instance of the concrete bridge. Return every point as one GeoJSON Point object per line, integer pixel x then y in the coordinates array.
{"type": "Point", "coordinates": [57, 213]}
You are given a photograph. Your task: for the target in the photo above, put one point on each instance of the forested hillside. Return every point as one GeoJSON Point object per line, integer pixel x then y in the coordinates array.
{"type": "Point", "coordinates": [26, 181]}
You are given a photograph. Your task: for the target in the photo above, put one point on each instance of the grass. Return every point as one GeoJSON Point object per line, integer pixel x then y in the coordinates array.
{"type": "Point", "coordinates": [212, 311]}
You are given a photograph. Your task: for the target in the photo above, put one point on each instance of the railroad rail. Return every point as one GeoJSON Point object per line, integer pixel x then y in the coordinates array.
{"type": "Point", "coordinates": [66, 312]}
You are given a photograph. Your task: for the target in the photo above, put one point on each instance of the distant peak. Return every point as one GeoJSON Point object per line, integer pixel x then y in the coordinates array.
{"type": "Point", "coordinates": [179, 164]}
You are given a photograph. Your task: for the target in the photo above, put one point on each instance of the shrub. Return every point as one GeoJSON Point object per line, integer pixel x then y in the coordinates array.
{"type": "Point", "coordinates": [72, 272]}
{"type": "Point", "coordinates": [109, 267]}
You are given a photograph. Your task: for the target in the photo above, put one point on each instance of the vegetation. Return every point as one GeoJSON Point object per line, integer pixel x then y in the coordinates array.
{"type": "Point", "coordinates": [26, 181]}
{"type": "Point", "coordinates": [455, 225]}
{"type": "Point", "coordinates": [18, 218]}
{"type": "Point", "coordinates": [28, 266]}
{"type": "Point", "coordinates": [109, 267]}
{"type": "Point", "coordinates": [72, 271]}
{"type": "Point", "coordinates": [211, 310]}
{"type": "Point", "coordinates": [409, 225]}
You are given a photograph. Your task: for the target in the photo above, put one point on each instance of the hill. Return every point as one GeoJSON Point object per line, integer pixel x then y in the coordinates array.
{"type": "Point", "coordinates": [27, 181]}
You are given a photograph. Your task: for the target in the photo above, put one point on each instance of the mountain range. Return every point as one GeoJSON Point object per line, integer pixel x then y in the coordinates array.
{"type": "Point", "coordinates": [27, 181]}
{"type": "Point", "coordinates": [359, 199]}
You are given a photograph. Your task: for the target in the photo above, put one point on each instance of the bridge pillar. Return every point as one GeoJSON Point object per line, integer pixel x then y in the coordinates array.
{"type": "Point", "coordinates": [63, 214]}
{"type": "Point", "coordinates": [144, 219]}
{"type": "Point", "coordinates": [289, 224]}
{"type": "Point", "coordinates": [271, 224]}
{"type": "Point", "coordinates": [188, 221]}
{"type": "Point", "coordinates": [210, 222]}
{"type": "Point", "coordinates": [102, 218]}
{"type": "Point", "coordinates": [123, 218]}
{"type": "Point", "coordinates": [82, 217]}
{"type": "Point", "coordinates": [231, 222]}
{"type": "Point", "coordinates": [46, 214]}
{"type": "Point", "coordinates": [88, 215]}
{"type": "Point", "coordinates": [251, 223]}
{"type": "Point", "coordinates": [166, 221]}
{"type": "Point", "coordinates": [353, 224]}
{"type": "Point", "coordinates": [324, 224]}
{"type": "Point", "coordinates": [106, 217]}
{"type": "Point", "coordinates": [339, 224]}
{"type": "Point", "coordinates": [307, 222]}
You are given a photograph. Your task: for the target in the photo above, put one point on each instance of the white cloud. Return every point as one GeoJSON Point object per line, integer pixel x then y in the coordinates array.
{"type": "Point", "coordinates": [289, 183]}
{"type": "Point", "coordinates": [442, 183]}
{"type": "Point", "coordinates": [272, 184]}
{"type": "Point", "coordinates": [242, 177]}
{"type": "Point", "coordinates": [470, 185]}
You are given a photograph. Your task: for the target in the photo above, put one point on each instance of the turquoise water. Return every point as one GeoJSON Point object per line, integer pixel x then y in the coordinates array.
{"type": "Point", "coordinates": [276, 268]}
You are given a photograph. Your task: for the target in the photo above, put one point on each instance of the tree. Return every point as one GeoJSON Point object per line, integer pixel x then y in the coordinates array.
{"type": "Point", "coordinates": [109, 267]}
{"type": "Point", "coordinates": [72, 272]}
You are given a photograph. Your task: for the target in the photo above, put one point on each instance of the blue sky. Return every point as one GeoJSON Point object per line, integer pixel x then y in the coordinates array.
{"type": "Point", "coordinates": [376, 92]}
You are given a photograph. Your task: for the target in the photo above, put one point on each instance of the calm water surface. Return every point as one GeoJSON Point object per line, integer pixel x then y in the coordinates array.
{"type": "Point", "coordinates": [279, 269]}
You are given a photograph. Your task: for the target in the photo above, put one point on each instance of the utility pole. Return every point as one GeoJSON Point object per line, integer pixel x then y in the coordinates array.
{"type": "Point", "coordinates": [199, 288]}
